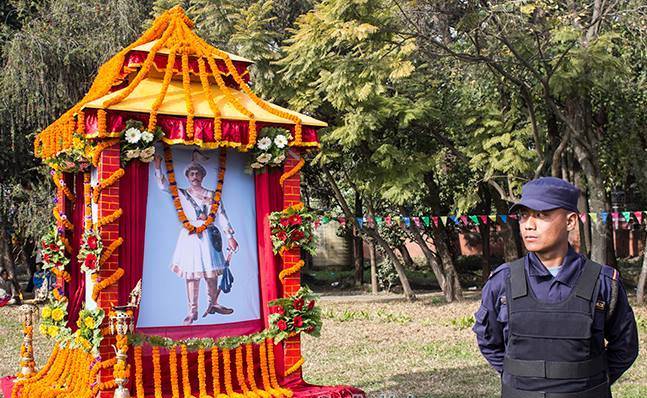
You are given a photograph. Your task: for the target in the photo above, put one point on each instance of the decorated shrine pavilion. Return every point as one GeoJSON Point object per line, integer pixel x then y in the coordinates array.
{"type": "Point", "coordinates": [178, 233]}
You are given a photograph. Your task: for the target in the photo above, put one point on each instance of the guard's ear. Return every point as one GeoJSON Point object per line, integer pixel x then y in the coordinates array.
{"type": "Point", "coordinates": [571, 221]}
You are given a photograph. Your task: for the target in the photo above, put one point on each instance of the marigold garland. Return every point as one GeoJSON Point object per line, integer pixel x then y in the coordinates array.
{"type": "Point", "coordinates": [57, 177]}
{"type": "Point", "coordinates": [110, 249]}
{"type": "Point", "coordinates": [265, 372]}
{"type": "Point", "coordinates": [107, 282]}
{"type": "Point", "coordinates": [172, 360]}
{"type": "Point", "coordinates": [289, 271]}
{"type": "Point", "coordinates": [271, 364]}
{"type": "Point", "coordinates": [226, 359]}
{"type": "Point", "coordinates": [110, 218]}
{"type": "Point", "coordinates": [186, 85]}
{"type": "Point", "coordinates": [62, 219]}
{"type": "Point", "coordinates": [204, 80]}
{"type": "Point", "coordinates": [62, 274]}
{"type": "Point", "coordinates": [101, 122]}
{"type": "Point", "coordinates": [215, 201]}
{"type": "Point", "coordinates": [240, 373]}
{"type": "Point", "coordinates": [202, 375]}
{"type": "Point", "coordinates": [157, 372]}
{"type": "Point", "coordinates": [101, 146]}
{"type": "Point", "coordinates": [114, 177]}
{"type": "Point", "coordinates": [249, 359]}
{"type": "Point", "coordinates": [139, 379]}
{"type": "Point", "coordinates": [215, 371]}
{"type": "Point", "coordinates": [292, 171]}
{"type": "Point", "coordinates": [295, 367]}
{"type": "Point", "coordinates": [186, 384]}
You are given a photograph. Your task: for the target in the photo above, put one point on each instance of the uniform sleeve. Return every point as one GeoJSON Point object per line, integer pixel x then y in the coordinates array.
{"type": "Point", "coordinates": [622, 337]}
{"type": "Point", "coordinates": [223, 222]}
{"type": "Point", "coordinates": [489, 331]}
{"type": "Point", "coordinates": [161, 180]}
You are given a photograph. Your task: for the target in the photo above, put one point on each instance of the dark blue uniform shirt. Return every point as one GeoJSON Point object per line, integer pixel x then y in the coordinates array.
{"type": "Point", "coordinates": [619, 330]}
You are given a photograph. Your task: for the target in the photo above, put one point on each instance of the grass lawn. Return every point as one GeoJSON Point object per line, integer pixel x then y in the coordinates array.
{"type": "Point", "coordinates": [388, 348]}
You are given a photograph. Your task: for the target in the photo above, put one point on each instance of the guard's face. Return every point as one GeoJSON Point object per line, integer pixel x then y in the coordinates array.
{"type": "Point", "coordinates": [195, 178]}
{"type": "Point", "coordinates": [545, 231]}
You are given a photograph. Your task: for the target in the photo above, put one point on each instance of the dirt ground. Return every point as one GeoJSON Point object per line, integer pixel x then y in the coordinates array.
{"type": "Point", "coordinates": [388, 347]}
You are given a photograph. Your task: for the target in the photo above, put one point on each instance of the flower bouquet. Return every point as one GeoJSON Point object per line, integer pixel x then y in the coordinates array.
{"type": "Point", "coordinates": [269, 150]}
{"type": "Point", "coordinates": [74, 159]}
{"type": "Point", "coordinates": [90, 251]}
{"type": "Point", "coordinates": [295, 314]}
{"type": "Point", "coordinates": [53, 251]}
{"type": "Point", "coordinates": [53, 320]}
{"type": "Point", "coordinates": [138, 143]}
{"type": "Point", "coordinates": [88, 336]}
{"type": "Point", "coordinates": [293, 228]}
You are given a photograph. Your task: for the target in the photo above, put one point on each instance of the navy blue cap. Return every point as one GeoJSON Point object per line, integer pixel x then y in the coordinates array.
{"type": "Point", "coordinates": [548, 193]}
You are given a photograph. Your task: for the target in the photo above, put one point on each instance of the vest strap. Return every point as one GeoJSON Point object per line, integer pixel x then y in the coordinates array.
{"type": "Point", "coordinates": [600, 391]}
{"type": "Point", "coordinates": [518, 282]}
{"type": "Point", "coordinates": [588, 280]}
{"type": "Point", "coordinates": [555, 369]}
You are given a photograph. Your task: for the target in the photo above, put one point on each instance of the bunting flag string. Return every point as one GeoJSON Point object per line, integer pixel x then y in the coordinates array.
{"type": "Point", "coordinates": [620, 220]}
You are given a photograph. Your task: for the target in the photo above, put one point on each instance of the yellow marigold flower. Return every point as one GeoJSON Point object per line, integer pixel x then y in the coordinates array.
{"type": "Point", "coordinates": [43, 329]}
{"type": "Point", "coordinates": [46, 313]}
{"type": "Point", "coordinates": [52, 330]}
{"type": "Point", "coordinates": [58, 314]}
{"type": "Point", "coordinates": [89, 322]}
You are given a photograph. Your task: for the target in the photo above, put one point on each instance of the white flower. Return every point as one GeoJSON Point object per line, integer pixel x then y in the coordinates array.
{"type": "Point", "coordinates": [281, 141]}
{"type": "Point", "coordinates": [256, 165]}
{"type": "Point", "coordinates": [148, 152]}
{"type": "Point", "coordinates": [264, 158]}
{"type": "Point", "coordinates": [147, 159]}
{"type": "Point", "coordinates": [133, 135]}
{"type": "Point", "coordinates": [132, 154]}
{"type": "Point", "coordinates": [279, 159]}
{"type": "Point", "coordinates": [147, 137]}
{"type": "Point", "coordinates": [264, 143]}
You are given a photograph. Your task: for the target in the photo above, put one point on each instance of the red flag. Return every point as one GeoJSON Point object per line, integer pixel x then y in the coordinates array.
{"type": "Point", "coordinates": [583, 217]}
{"type": "Point", "coordinates": [484, 219]}
{"type": "Point", "coordinates": [639, 216]}
{"type": "Point", "coordinates": [435, 218]}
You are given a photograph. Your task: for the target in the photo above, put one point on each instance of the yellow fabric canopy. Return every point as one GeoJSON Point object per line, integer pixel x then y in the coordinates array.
{"type": "Point", "coordinates": [145, 94]}
{"type": "Point", "coordinates": [146, 47]}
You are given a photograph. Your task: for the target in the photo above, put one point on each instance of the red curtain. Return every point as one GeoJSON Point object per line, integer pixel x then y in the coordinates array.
{"type": "Point", "coordinates": [75, 290]}
{"type": "Point", "coordinates": [133, 195]}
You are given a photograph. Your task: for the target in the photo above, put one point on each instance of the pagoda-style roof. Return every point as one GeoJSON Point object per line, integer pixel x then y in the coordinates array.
{"type": "Point", "coordinates": [170, 72]}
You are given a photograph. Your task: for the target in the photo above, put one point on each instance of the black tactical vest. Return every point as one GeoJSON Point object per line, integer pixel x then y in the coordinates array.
{"type": "Point", "coordinates": [551, 352]}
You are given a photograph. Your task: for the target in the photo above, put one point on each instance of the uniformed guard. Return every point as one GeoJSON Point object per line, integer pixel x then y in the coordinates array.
{"type": "Point", "coordinates": [544, 318]}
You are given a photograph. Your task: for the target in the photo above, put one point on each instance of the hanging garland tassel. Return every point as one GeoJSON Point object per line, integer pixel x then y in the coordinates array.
{"type": "Point", "coordinates": [107, 282]}
{"type": "Point", "coordinates": [215, 201]}
{"type": "Point", "coordinates": [111, 249]}
{"type": "Point", "coordinates": [110, 218]}
{"type": "Point", "coordinates": [295, 367]}
{"type": "Point", "coordinates": [114, 177]}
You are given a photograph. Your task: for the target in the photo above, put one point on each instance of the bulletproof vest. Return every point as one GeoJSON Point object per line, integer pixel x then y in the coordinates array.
{"type": "Point", "coordinates": [551, 352]}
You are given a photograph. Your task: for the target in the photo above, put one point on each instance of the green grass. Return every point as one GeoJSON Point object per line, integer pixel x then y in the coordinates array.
{"type": "Point", "coordinates": [422, 349]}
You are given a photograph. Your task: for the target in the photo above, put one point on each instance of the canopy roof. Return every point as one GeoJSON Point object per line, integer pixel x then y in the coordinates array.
{"type": "Point", "coordinates": [170, 71]}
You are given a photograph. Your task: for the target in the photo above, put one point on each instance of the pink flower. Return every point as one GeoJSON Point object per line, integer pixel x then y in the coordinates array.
{"type": "Point", "coordinates": [90, 260]}
{"type": "Point", "coordinates": [284, 222]}
{"type": "Point", "coordinates": [295, 220]}
{"type": "Point", "coordinates": [282, 235]}
{"type": "Point", "coordinates": [297, 321]}
{"type": "Point", "coordinates": [311, 305]}
{"type": "Point", "coordinates": [297, 235]}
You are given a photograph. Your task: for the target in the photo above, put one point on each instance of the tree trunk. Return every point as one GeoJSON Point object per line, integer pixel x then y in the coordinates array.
{"type": "Point", "coordinates": [511, 250]}
{"type": "Point", "coordinates": [455, 291]}
{"type": "Point", "coordinates": [406, 287]}
{"type": "Point", "coordinates": [642, 280]}
{"type": "Point", "coordinates": [358, 244]}
{"type": "Point", "coordinates": [373, 257]}
{"type": "Point", "coordinates": [406, 256]}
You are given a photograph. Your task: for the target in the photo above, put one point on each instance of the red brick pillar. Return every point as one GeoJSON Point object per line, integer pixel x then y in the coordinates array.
{"type": "Point", "coordinates": [292, 283]}
{"type": "Point", "coordinates": [109, 162]}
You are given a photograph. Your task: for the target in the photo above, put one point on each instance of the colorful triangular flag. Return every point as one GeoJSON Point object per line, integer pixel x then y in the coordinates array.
{"type": "Point", "coordinates": [583, 217]}
{"type": "Point", "coordinates": [407, 221]}
{"type": "Point", "coordinates": [388, 220]}
{"type": "Point", "coordinates": [475, 220]}
{"type": "Point", "coordinates": [360, 221]}
{"type": "Point", "coordinates": [464, 220]}
{"type": "Point", "coordinates": [484, 219]}
{"type": "Point", "coordinates": [604, 216]}
{"type": "Point", "coordinates": [504, 218]}
{"type": "Point", "coordinates": [454, 219]}
{"type": "Point", "coordinates": [443, 219]}
{"type": "Point", "coordinates": [492, 217]}
{"type": "Point", "coordinates": [379, 220]}
{"type": "Point", "coordinates": [639, 216]}
{"type": "Point", "coordinates": [627, 216]}
{"type": "Point", "coordinates": [594, 217]}
{"type": "Point", "coordinates": [416, 220]}
{"type": "Point", "coordinates": [425, 220]}
{"type": "Point", "coordinates": [325, 219]}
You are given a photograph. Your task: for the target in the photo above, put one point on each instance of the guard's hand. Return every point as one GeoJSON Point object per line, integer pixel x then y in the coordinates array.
{"type": "Point", "coordinates": [233, 245]}
{"type": "Point", "coordinates": [158, 161]}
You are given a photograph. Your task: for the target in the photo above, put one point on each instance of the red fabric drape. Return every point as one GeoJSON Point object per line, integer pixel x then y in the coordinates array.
{"type": "Point", "coordinates": [133, 196]}
{"type": "Point", "coordinates": [174, 127]}
{"type": "Point", "coordinates": [75, 290]}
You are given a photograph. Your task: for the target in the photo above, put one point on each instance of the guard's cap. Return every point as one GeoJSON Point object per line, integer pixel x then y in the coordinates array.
{"type": "Point", "coordinates": [548, 193]}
